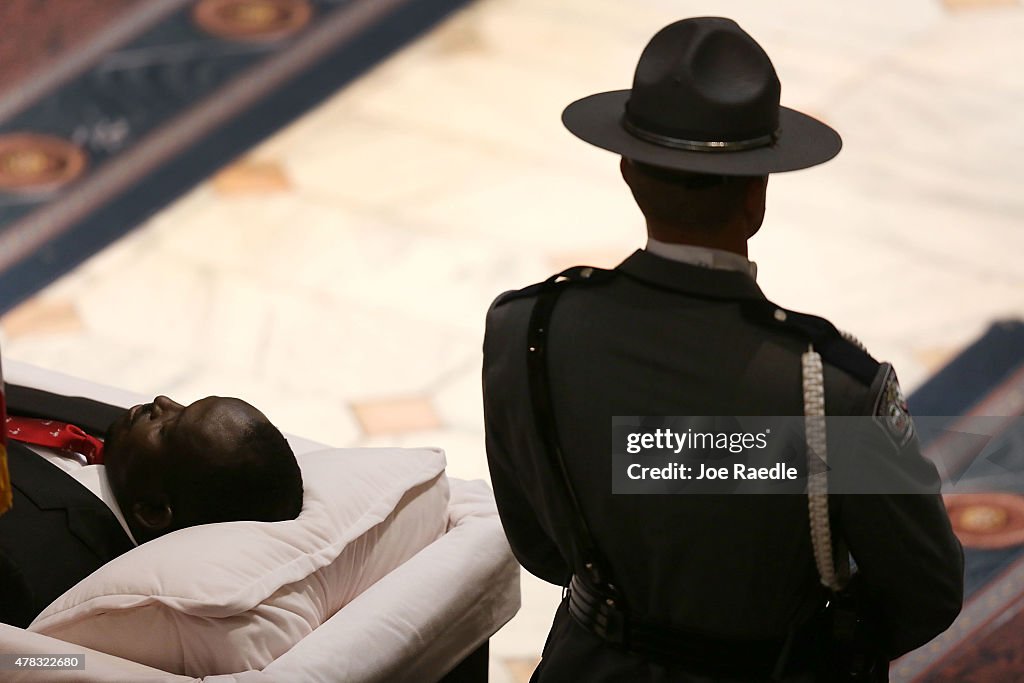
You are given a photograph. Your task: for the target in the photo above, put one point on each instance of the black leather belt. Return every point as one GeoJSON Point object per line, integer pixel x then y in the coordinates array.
{"type": "Point", "coordinates": [694, 652]}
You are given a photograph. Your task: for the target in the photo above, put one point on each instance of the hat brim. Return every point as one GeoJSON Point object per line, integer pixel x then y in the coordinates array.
{"type": "Point", "coordinates": [803, 141]}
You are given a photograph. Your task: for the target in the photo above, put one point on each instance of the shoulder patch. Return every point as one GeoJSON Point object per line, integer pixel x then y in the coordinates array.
{"type": "Point", "coordinates": [891, 411]}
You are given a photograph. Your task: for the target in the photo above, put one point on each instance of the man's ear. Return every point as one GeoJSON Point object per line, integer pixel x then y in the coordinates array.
{"type": "Point", "coordinates": [754, 203]}
{"type": "Point", "coordinates": [154, 516]}
{"type": "Point", "coordinates": [625, 170]}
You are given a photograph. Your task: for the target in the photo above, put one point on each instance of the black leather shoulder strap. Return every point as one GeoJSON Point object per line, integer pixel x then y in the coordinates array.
{"type": "Point", "coordinates": [588, 557]}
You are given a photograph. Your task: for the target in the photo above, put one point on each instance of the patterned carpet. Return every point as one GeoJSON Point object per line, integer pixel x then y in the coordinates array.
{"type": "Point", "coordinates": [987, 379]}
{"type": "Point", "coordinates": [109, 109]}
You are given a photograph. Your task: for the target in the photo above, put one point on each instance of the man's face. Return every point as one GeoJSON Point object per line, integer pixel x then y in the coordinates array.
{"type": "Point", "coordinates": [151, 439]}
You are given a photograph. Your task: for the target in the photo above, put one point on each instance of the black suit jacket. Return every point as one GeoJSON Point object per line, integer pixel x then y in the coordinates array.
{"type": "Point", "coordinates": [57, 532]}
{"type": "Point", "coordinates": [663, 338]}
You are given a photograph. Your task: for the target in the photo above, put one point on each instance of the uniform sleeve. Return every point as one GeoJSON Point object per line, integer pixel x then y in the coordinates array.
{"type": "Point", "coordinates": [505, 410]}
{"type": "Point", "coordinates": [530, 543]}
{"type": "Point", "coordinates": [909, 562]}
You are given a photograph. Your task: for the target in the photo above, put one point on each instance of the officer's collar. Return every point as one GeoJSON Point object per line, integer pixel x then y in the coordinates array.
{"type": "Point", "coordinates": [690, 279]}
{"type": "Point", "coordinates": [706, 257]}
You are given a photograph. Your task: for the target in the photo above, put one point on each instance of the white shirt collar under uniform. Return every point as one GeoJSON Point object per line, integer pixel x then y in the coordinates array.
{"type": "Point", "coordinates": [705, 257]}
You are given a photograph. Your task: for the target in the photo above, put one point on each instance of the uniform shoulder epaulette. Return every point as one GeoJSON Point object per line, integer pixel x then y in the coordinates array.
{"type": "Point", "coordinates": [835, 347]}
{"type": "Point", "coordinates": [576, 274]}
{"type": "Point", "coordinates": [523, 293]}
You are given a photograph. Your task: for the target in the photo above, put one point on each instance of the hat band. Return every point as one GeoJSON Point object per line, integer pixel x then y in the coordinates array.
{"type": "Point", "coordinates": [700, 145]}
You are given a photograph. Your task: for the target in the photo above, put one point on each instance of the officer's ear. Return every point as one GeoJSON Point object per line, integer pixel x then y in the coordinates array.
{"type": "Point", "coordinates": [625, 169]}
{"type": "Point", "coordinates": [754, 203]}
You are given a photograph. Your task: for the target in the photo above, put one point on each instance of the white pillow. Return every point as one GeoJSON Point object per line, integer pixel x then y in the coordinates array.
{"type": "Point", "coordinates": [223, 598]}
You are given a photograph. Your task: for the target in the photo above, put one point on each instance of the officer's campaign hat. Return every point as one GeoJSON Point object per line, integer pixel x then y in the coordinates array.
{"type": "Point", "coordinates": [705, 99]}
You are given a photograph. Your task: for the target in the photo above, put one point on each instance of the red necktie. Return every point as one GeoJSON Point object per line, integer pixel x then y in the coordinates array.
{"type": "Point", "coordinates": [57, 435]}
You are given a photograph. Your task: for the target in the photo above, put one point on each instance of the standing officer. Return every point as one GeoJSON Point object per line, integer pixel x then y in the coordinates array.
{"type": "Point", "coordinates": [696, 587]}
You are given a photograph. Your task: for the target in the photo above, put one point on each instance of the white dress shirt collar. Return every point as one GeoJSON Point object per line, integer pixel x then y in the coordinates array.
{"type": "Point", "coordinates": [705, 257]}
{"type": "Point", "coordinates": [92, 477]}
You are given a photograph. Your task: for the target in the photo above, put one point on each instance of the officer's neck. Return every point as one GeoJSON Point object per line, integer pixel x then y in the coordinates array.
{"type": "Point", "coordinates": [729, 238]}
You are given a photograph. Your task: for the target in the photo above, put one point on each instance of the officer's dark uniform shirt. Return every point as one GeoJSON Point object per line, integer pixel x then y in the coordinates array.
{"type": "Point", "coordinates": [662, 337]}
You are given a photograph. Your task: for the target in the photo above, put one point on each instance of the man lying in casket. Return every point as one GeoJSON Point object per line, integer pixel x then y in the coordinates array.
{"type": "Point", "coordinates": [160, 467]}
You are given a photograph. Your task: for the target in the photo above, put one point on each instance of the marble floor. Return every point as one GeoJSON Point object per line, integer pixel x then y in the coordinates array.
{"type": "Point", "coordinates": [337, 275]}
